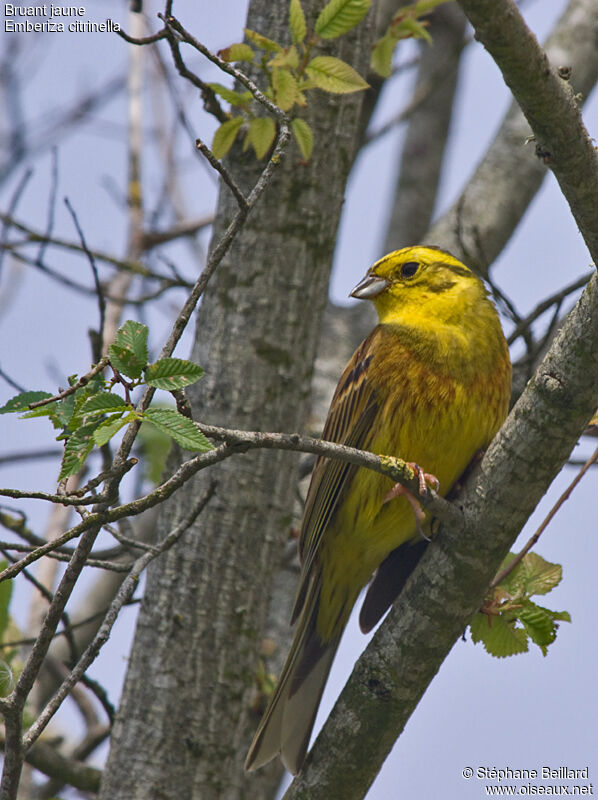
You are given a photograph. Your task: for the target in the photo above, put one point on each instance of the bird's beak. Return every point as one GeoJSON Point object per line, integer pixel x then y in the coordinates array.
{"type": "Point", "coordinates": [369, 287]}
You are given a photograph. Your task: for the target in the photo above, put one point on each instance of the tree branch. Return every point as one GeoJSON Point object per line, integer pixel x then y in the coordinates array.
{"type": "Point", "coordinates": [451, 580]}
{"type": "Point", "coordinates": [548, 102]}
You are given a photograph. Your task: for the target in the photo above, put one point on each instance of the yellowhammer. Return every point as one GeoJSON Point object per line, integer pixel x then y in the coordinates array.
{"type": "Point", "coordinates": [430, 384]}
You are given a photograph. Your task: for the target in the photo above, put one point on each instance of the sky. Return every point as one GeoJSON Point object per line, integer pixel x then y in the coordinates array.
{"type": "Point", "coordinates": [526, 712]}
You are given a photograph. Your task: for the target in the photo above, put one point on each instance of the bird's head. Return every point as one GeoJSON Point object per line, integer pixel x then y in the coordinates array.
{"type": "Point", "coordinates": [422, 281]}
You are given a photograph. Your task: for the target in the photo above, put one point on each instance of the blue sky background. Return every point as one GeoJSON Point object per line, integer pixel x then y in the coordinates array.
{"type": "Point", "coordinates": [525, 712]}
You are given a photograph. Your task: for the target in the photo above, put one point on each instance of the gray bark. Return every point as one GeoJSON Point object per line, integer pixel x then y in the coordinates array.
{"type": "Point", "coordinates": [427, 132]}
{"type": "Point", "coordinates": [185, 720]}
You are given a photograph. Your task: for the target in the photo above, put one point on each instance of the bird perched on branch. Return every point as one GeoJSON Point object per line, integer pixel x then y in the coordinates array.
{"type": "Point", "coordinates": [431, 385]}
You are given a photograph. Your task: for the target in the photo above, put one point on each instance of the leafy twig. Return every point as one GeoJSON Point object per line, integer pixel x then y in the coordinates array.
{"type": "Point", "coordinates": [533, 540]}
{"type": "Point", "coordinates": [96, 277]}
{"type": "Point", "coordinates": [83, 381]}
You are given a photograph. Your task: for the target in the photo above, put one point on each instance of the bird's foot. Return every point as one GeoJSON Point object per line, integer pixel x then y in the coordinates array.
{"type": "Point", "coordinates": [425, 479]}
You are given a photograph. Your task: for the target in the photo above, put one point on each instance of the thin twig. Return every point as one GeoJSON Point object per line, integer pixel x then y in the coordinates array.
{"type": "Point", "coordinates": [240, 442]}
{"type": "Point", "coordinates": [49, 597]}
{"type": "Point", "coordinates": [51, 207]}
{"type": "Point", "coordinates": [14, 200]}
{"type": "Point", "coordinates": [240, 76]}
{"type": "Point", "coordinates": [32, 455]}
{"type": "Point", "coordinates": [96, 277]}
{"type": "Point", "coordinates": [556, 298]}
{"type": "Point", "coordinates": [155, 37]}
{"type": "Point", "coordinates": [532, 541]}
{"type": "Point", "coordinates": [123, 595]}
{"type": "Point", "coordinates": [222, 170]}
{"type": "Point", "coordinates": [83, 381]}
{"type": "Point", "coordinates": [11, 382]}
{"type": "Point", "coordinates": [150, 240]}
{"type": "Point", "coordinates": [57, 634]}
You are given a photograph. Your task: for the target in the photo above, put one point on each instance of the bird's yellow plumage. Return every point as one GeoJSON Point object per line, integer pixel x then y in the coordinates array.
{"type": "Point", "coordinates": [430, 384]}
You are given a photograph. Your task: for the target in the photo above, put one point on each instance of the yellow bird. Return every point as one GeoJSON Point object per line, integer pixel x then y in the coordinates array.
{"type": "Point", "coordinates": [430, 384]}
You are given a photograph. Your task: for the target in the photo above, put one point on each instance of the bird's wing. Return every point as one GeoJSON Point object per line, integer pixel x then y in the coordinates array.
{"type": "Point", "coordinates": [352, 413]}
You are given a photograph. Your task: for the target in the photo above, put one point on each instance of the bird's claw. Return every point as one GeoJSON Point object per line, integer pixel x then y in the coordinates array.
{"type": "Point", "coordinates": [425, 479]}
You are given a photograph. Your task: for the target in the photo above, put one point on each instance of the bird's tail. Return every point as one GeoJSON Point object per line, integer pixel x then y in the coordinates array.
{"type": "Point", "coordinates": [287, 723]}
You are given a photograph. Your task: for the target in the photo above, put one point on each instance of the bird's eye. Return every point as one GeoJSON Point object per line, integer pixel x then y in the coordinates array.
{"type": "Point", "coordinates": [409, 269]}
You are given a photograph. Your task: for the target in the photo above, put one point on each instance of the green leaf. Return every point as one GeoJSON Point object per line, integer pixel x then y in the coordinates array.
{"type": "Point", "coordinates": [133, 336]}
{"type": "Point", "coordinates": [102, 403]}
{"type": "Point", "coordinates": [334, 75]}
{"type": "Point", "coordinates": [562, 616]}
{"type": "Point", "coordinates": [232, 97]}
{"type": "Point", "coordinates": [499, 636]}
{"type": "Point", "coordinates": [49, 410]}
{"type": "Point", "coordinates": [237, 52]}
{"type": "Point", "coordinates": [261, 133]}
{"type": "Point", "coordinates": [287, 58]}
{"type": "Point", "coordinates": [262, 41]}
{"type": "Point", "coordinates": [339, 16]}
{"type": "Point", "coordinates": [381, 58]}
{"type": "Point", "coordinates": [285, 88]}
{"type": "Point", "coordinates": [78, 446]}
{"type": "Point", "coordinates": [303, 136]}
{"type": "Point", "coordinates": [111, 426]}
{"type": "Point", "coordinates": [21, 402]}
{"type": "Point", "coordinates": [533, 575]}
{"type": "Point", "coordinates": [64, 411]}
{"type": "Point", "coordinates": [5, 595]}
{"type": "Point", "coordinates": [225, 135]}
{"type": "Point", "coordinates": [172, 373]}
{"type": "Point", "coordinates": [179, 428]}
{"type": "Point", "coordinates": [128, 353]}
{"type": "Point", "coordinates": [297, 24]}
{"type": "Point", "coordinates": [538, 623]}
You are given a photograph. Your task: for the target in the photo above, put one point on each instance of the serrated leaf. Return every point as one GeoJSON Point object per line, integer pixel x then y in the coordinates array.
{"type": "Point", "coordinates": [297, 24]}
{"type": "Point", "coordinates": [5, 595]}
{"type": "Point", "coordinates": [132, 336]}
{"type": "Point", "coordinates": [285, 88]}
{"type": "Point", "coordinates": [78, 446]}
{"type": "Point", "coordinates": [237, 52]}
{"type": "Point", "coordinates": [381, 58]}
{"type": "Point", "coordinates": [125, 362]}
{"type": "Point", "coordinates": [64, 411]}
{"type": "Point", "coordinates": [172, 373]}
{"type": "Point", "coordinates": [225, 135]}
{"type": "Point", "coordinates": [21, 402]}
{"type": "Point", "coordinates": [80, 397]}
{"type": "Point", "coordinates": [261, 133]}
{"type": "Point", "coordinates": [533, 575]}
{"type": "Point", "coordinates": [102, 403]}
{"type": "Point", "coordinates": [334, 75]}
{"type": "Point", "coordinates": [500, 637]}
{"type": "Point", "coordinates": [539, 624]}
{"type": "Point", "coordinates": [128, 353]}
{"type": "Point", "coordinates": [109, 427]}
{"type": "Point", "coordinates": [179, 428]}
{"type": "Point", "coordinates": [339, 16]}
{"type": "Point", "coordinates": [232, 97]}
{"type": "Point", "coordinates": [262, 41]}
{"type": "Point", "coordinates": [303, 136]}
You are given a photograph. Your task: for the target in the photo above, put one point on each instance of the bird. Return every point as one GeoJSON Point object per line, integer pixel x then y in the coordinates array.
{"type": "Point", "coordinates": [430, 384]}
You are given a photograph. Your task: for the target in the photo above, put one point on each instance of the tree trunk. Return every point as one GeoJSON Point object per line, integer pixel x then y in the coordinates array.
{"type": "Point", "coordinates": [185, 720]}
